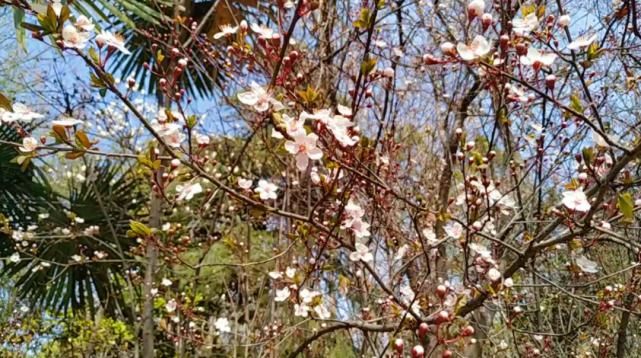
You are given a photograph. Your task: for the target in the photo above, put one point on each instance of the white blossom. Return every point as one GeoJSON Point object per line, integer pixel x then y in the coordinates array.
{"type": "Point", "coordinates": [263, 31]}
{"type": "Point", "coordinates": [322, 311]}
{"type": "Point", "coordinates": [113, 41]}
{"type": "Point", "coordinates": [29, 144]}
{"type": "Point", "coordinates": [523, 26]}
{"type": "Point", "coordinates": [266, 190]}
{"type": "Point", "coordinates": [361, 253]}
{"type": "Point", "coordinates": [245, 183]}
{"type": "Point", "coordinates": [537, 59]}
{"type": "Point", "coordinates": [493, 274]}
{"type": "Point", "coordinates": [282, 295]}
{"type": "Point", "coordinates": [222, 325]}
{"type": "Point", "coordinates": [586, 265]}
{"type": "Point", "coordinates": [171, 133]}
{"type": "Point", "coordinates": [301, 310]}
{"type": "Point", "coordinates": [453, 229]}
{"type": "Point", "coordinates": [72, 38]}
{"type": "Point", "coordinates": [226, 30]}
{"type": "Point", "coordinates": [576, 200]}
{"type": "Point", "coordinates": [477, 49]}
{"type": "Point", "coordinates": [259, 98]}
{"type": "Point", "coordinates": [304, 148]}
{"type": "Point", "coordinates": [583, 41]}
{"type": "Point", "coordinates": [187, 192]}
{"type": "Point", "coordinates": [20, 113]}
{"type": "Point", "coordinates": [84, 24]}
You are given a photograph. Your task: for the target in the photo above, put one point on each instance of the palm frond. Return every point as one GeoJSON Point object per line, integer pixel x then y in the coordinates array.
{"type": "Point", "coordinates": [52, 277]}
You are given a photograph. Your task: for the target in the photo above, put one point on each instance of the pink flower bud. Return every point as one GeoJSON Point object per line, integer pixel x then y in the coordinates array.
{"type": "Point", "coordinates": [423, 330]}
{"type": "Point", "coordinates": [486, 21]}
{"type": "Point", "coordinates": [550, 80]}
{"type": "Point", "coordinates": [430, 60]}
{"type": "Point", "coordinates": [442, 317]}
{"type": "Point", "coordinates": [398, 345]}
{"type": "Point", "coordinates": [418, 351]}
{"type": "Point", "coordinates": [467, 331]}
{"type": "Point", "coordinates": [504, 42]}
{"type": "Point", "coordinates": [475, 8]}
{"type": "Point", "coordinates": [448, 48]}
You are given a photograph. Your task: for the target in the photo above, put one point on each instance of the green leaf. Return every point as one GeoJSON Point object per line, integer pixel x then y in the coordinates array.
{"type": "Point", "coordinates": [74, 155]}
{"type": "Point", "coordinates": [96, 81]}
{"type": "Point", "coordinates": [119, 14]}
{"type": "Point", "coordinates": [363, 20]}
{"type": "Point", "coordinates": [191, 121]}
{"type": "Point", "coordinates": [626, 206]}
{"type": "Point", "coordinates": [5, 103]}
{"type": "Point", "coordinates": [65, 13]}
{"type": "Point", "coordinates": [60, 133]}
{"type": "Point", "coordinates": [528, 9]}
{"type": "Point", "coordinates": [368, 65]}
{"type": "Point", "coordinates": [95, 57]}
{"type": "Point", "coordinates": [575, 103]}
{"type": "Point", "coordinates": [82, 139]}
{"type": "Point", "coordinates": [18, 18]}
{"type": "Point", "coordinates": [139, 228]}
{"type": "Point", "coordinates": [31, 27]}
{"type": "Point", "coordinates": [588, 154]}
{"type": "Point", "coordinates": [593, 51]}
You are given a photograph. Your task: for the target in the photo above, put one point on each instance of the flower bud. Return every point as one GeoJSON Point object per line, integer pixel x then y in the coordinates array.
{"type": "Point", "coordinates": [418, 351]}
{"type": "Point", "coordinates": [521, 49]}
{"type": "Point", "coordinates": [430, 60]}
{"type": "Point", "coordinates": [398, 345]}
{"type": "Point", "coordinates": [423, 330]}
{"type": "Point", "coordinates": [442, 316]}
{"type": "Point", "coordinates": [564, 20]}
{"type": "Point", "coordinates": [447, 353]}
{"type": "Point", "coordinates": [504, 42]}
{"type": "Point", "coordinates": [467, 331]}
{"type": "Point", "coordinates": [448, 48]}
{"type": "Point", "coordinates": [550, 80]}
{"type": "Point", "coordinates": [475, 8]}
{"type": "Point", "coordinates": [441, 291]}
{"type": "Point", "coordinates": [486, 21]}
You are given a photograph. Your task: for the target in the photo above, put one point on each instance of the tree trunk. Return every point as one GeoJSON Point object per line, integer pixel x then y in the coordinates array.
{"type": "Point", "coordinates": [148, 330]}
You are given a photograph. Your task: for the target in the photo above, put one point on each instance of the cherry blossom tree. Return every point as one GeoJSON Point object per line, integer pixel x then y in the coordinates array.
{"type": "Point", "coordinates": [434, 178]}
